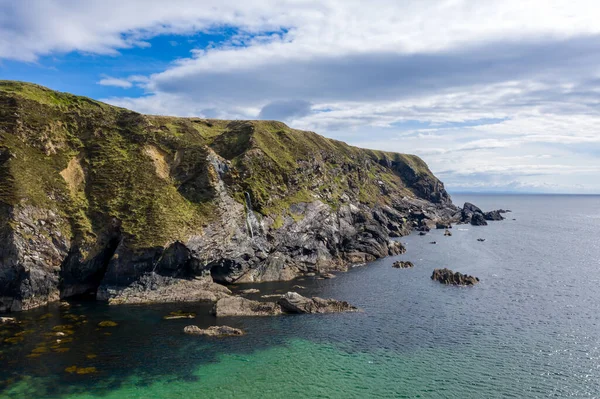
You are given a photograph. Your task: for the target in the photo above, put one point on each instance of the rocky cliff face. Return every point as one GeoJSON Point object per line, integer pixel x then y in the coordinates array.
{"type": "Point", "coordinates": [95, 198]}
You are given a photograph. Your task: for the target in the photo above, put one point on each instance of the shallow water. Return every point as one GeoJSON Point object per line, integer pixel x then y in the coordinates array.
{"type": "Point", "coordinates": [531, 328]}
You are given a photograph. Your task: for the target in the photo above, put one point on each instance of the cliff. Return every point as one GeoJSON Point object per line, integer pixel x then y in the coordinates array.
{"type": "Point", "coordinates": [102, 201]}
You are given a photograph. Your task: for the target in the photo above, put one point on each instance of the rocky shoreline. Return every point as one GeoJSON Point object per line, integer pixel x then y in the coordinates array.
{"type": "Point", "coordinates": [131, 208]}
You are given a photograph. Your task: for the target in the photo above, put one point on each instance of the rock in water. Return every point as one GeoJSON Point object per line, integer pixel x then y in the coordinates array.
{"type": "Point", "coordinates": [493, 215]}
{"type": "Point", "coordinates": [250, 291]}
{"type": "Point", "coordinates": [481, 239]}
{"type": "Point", "coordinates": [447, 276]}
{"type": "Point", "coordinates": [447, 233]}
{"type": "Point", "coordinates": [478, 220]}
{"type": "Point", "coordinates": [214, 331]}
{"type": "Point", "coordinates": [293, 302]}
{"type": "Point", "coordinates": [422, 233]}
{"type": "Point", "coordinates": [442, 226]}
{"type": "Point", "coordinates": [328, 275]}
{"type": "Point", "coordinates": [7, 320]}
{"type": "Point", "coordinates": [238, 306]}
{"type": "Point", "coordinates": [402, 264]}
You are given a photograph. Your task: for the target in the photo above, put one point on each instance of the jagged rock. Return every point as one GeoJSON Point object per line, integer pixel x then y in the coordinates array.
{"type": "Point", "coordinates": [402, 264]}
{"type": "Point", "coordinates": [493, 215]}
{"type": "Point", "coordinates": [447, 233]}
{"type": "Point", "coordinates": [293, 302]}
{"type": "Point", "coordinates": [250, 291]}
{"type": "Point", "coordinates": [214, 331]}
{"type": "Point", "coordinates": [447, 276]}
{"type": "Point", "coordinates": [477, 219]}
{"type": "Point", "coordinates": [238, 306]}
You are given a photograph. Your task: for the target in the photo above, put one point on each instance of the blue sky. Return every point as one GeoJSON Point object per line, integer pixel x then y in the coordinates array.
{"type": "Point", "coordinates": [495, 96]}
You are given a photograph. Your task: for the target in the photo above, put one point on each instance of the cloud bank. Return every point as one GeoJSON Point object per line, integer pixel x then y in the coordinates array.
{"type": "Point", "coordinates": [498, 95]}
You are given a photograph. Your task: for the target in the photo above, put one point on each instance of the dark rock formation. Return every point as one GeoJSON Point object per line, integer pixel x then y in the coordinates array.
{"type": "Point", "coordinates": [402, 264]}
{"type": "Point", "coordinates": [443, 226]}
{"type": "Point", "coordinates": [214, 331]}
{"type": "Point", "coordinates": [481, 239]}
{"type": "Point", "coordinates": [447, 276]}
{"type": "Point", "coordinates": [293, 302]}
{"type": "Point", "coordinates": [422, 233]}
{"type": "Point", "coordinates": [493, 215]}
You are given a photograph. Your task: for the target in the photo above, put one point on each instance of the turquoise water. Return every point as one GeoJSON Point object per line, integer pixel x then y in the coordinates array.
{"type": "Point", "coordinates": [530, 329]}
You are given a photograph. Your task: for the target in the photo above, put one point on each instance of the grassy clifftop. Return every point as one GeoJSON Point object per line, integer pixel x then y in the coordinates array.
{"type": "Point", "coordinates": [101, 166]}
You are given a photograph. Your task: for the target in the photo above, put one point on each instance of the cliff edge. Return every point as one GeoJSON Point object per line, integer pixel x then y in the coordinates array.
{"type": "Point", "coordinates": [94, 199]}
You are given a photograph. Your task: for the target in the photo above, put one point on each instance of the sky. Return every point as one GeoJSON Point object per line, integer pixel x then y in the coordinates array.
{"type": "Point", "coordinates": [494, 95]}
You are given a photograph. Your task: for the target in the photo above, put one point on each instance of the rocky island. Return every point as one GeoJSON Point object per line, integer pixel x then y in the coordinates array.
{"type": "Point", "coordinates": [103, 202]}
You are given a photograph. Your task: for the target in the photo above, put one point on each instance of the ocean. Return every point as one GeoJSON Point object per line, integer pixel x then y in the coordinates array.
{"type": "Point", "coordinates": [530, 329]}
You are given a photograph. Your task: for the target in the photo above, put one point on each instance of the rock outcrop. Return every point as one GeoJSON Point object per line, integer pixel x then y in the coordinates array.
{"type": "Point", "coordinates": [238, 306]}
{"type": "Point", "coordinates": [106, 203]}
{"type": "Point", "coordinates": [293, 302]}
{"type": "Point", "coordinates": [476, 217]}
{"type": "Point", "coordinates": [402, 264]}
{"type": "Point", "coordinates": [214, 331]}
{"type": "Point", "coordinates": [447, 276]}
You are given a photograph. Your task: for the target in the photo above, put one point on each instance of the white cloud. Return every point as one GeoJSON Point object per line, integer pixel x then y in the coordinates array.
{"type": "Point", "coordinates": [108, 81]}
{"type": "Point", "coordinates": [481, 89]}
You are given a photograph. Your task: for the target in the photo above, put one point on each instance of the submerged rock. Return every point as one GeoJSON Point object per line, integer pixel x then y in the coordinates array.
{"type": "Point", "coordinates": [107, 323]}
{"type": "Point", "coordinates": [402, 264]}
{"type": "Point", "coordinates": [214, 331]}
{"type": "Point", "coordinates": [481, 239]}
{"type": "Point", "coordinates": [293, 302]}
{"type": "Point", "coordinates": [328, 275]}
{"type": "Point", "coordinates": [442, 226]}
{"type": "Point", "coordinates": [250, 291]}
{"type": "Point", "coordinates": [447, 276]}
{"type": "Point", "coordinates": [179, 315]}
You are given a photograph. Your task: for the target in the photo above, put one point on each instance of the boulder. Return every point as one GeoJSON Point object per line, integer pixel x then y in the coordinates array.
{"type": "Point", "coordinates": [293, 302]}
{"type": "Point", "coordinates": [447, 233]}
{"type": "Point", "coordinates": [214, 331]}
{"type": "Point", "coordinates": [238, 306]}
{"type": "Point", "coordinates": [447, 276]}
{"type": "Point", "coordinates": [402, 264]}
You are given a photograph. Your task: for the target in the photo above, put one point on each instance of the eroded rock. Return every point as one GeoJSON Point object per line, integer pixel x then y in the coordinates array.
{"type": "Point", "coordinates": [447, 276]}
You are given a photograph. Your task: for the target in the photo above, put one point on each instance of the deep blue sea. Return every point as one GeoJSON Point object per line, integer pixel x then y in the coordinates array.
{"type": "Point", "coordinates": [530, 329]}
